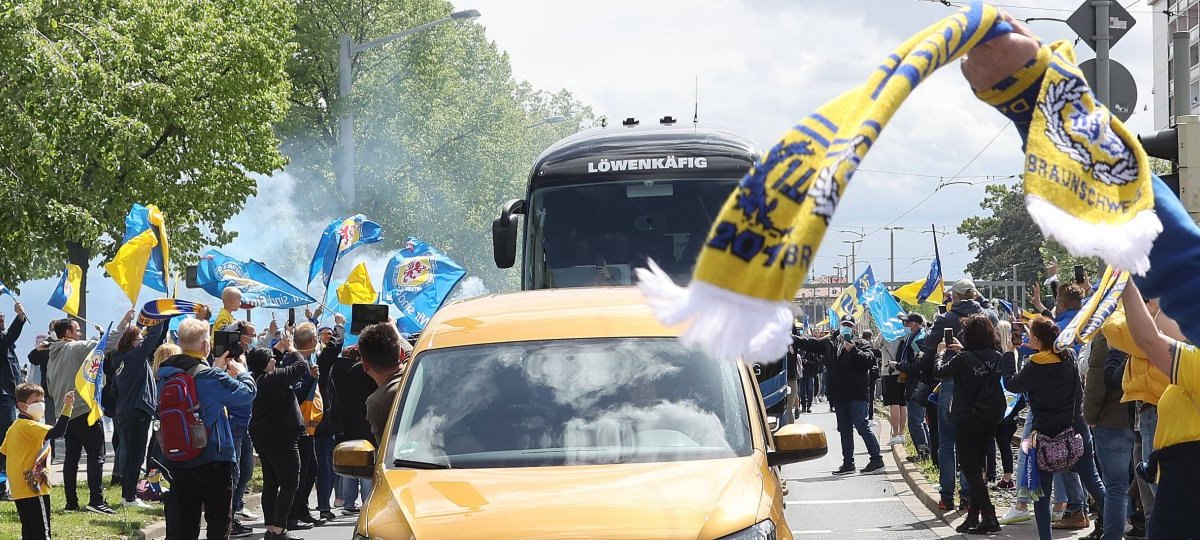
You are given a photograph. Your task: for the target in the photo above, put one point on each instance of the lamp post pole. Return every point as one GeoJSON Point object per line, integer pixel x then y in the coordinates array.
{"type": "Point", "coordinates": [346, 51]}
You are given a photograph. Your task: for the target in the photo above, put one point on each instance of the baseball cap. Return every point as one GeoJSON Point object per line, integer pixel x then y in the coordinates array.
{"type": "Point", "coordinates": [914, 318]}
{"type": "Point", "coordinates": [848, 320]}
{"type": "Point", "coordinates": [963, 286]}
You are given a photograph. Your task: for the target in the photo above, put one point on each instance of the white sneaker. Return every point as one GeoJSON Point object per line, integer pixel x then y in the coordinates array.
{"type": "Point", "coordinates": [1057, 515]}
{"type": "Point", "coordinates": [135, 503]}
{"type": "Point", "coordinates": [898, 439]}
{"type": "Point", "coordinates": [1016, 515]}
{"type": "Point", "coordinates": [246, 514]}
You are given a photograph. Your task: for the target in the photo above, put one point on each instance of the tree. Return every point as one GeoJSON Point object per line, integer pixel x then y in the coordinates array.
{"type": "Point", "coordinates": [1006, 237]}
{"type": "Point", "coordinates": [444, 133]}
{"type": "Point", "coordinates": [104, 103]}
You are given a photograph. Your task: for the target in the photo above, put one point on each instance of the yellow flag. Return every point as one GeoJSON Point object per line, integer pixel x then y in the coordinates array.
{"type": "Point", "coordinates": [89, 380]}
{"type": "Point", "coordinates": [129, 266]}
{"type": "Point", "coordinates": [159, 223]}
{"type": "Point", "coordinates": [908, 293]}
{"type": "Point", "coordinates": [357, 289]}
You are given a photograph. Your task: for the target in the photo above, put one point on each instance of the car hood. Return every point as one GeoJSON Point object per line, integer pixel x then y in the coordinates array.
{"type": "Point", "coordinates": [687, 499]}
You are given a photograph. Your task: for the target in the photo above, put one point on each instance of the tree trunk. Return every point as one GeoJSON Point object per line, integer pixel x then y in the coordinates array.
{"type": "Point", "coordinates": [80, 255]}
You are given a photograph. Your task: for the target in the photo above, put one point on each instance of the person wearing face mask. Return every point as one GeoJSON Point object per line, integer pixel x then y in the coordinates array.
{"type": "Point", "coordinates": [27, 456]}
{"type": "Point", "coordinates": [848, 361]}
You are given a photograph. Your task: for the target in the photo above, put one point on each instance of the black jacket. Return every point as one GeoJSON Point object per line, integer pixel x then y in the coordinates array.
{"type": "Point", "coordinates": [10, 368]}
{"type": "Point", "coordinates": [1055, 393]}
{"type": "Point", "coordinates": [276, 413]}
{"type": "Point", "coordinates": [848, 371]}
{"type": "Point", "coordinates": [952, 320]}
{"type": "Point", "coordinates": [134, 382]}
{"type": "Point", "coordinates": [39, 358]}
{"type": "Point", "coordinates": [968, 368]}
{"type": "Point", "coordinates": [911, 364]}
{"type": "Point", "coordinates": [325, 361]}
{"type": "Point", "coordinates": [351, 386]}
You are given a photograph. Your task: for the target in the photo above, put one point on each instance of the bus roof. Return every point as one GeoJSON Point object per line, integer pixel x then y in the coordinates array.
{"type": "Point", "coordinates": [651, 151]}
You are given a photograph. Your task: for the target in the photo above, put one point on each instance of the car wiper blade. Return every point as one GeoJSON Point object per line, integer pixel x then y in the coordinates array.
{"type": "Point", "coordinates": [411, 464]}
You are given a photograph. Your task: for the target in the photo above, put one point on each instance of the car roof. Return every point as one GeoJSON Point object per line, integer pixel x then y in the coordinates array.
{"type": "Point", "coordinates": [543, 315]}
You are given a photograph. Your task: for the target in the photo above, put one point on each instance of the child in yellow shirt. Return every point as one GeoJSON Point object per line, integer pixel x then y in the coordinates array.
{"type": "Point", "coordinates": [27, 451]}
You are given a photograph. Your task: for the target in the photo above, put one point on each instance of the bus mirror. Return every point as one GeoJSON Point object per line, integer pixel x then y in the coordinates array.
{"type": "Point", "coordinates": [504, 233]}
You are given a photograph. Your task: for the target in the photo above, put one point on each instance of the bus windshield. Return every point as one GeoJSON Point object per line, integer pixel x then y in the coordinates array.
{"type": "Point", "coordinates": [596, 234]}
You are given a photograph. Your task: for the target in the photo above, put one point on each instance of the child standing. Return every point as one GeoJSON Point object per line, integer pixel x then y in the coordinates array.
{"type": "Point", "coordinates": [27, 452]}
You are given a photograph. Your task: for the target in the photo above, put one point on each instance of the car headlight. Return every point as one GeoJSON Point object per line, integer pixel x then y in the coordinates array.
{"type": "Point", "coordinates": [763, 530]}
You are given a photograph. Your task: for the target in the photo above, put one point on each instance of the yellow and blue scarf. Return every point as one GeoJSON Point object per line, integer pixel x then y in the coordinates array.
{"type": "Point", "coordinates": [163, 309]}
{"type": "Point", "coordinates": [763, 242]}
{"type": "Point", "coordinates": [1104, 302]}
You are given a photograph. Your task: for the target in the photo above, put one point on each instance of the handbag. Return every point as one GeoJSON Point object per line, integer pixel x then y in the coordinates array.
{"type": "Point", "coordinates": [1062, 451]}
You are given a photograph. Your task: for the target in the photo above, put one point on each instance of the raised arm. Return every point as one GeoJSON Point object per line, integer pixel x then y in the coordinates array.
{"type": "Point", "coordinates": [1145, 334]}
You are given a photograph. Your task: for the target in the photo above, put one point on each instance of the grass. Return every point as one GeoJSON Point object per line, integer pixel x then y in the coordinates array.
{"type": "Point", "coordinates": [1000, 498]}
{"type": "Point", "coordinates": [83, 524]}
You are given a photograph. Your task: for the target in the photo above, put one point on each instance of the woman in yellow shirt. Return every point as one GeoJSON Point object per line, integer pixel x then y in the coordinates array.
{"type": "Point", "coordinates": [1177, 440]}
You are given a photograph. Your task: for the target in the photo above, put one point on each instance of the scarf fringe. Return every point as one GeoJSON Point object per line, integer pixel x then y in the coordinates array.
{"type": "Point", "coordinates": [725, 324]}
{"type": "Point", "coordinates": [1125, 245]}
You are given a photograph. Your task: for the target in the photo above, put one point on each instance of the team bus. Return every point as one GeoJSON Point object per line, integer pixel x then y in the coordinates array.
{"type": "Point", "coordinates": [601, 202]}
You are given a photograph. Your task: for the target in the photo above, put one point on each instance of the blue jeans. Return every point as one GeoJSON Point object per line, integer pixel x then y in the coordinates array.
{"type": "Point", "coordinates": [325, 476]}
{"type": "Point", "coordinates": [1086, 466]}
{"type": "Point", "coordinates": [1068, 488]}
{"type": "Point", "coordinates": [851, 417]}
{"type": "Point", "coordinates": [1022, 457]}
{"type": "Point", "coordinates": [1113, 448]}
{"type": "Point", "coordinates": [135, 436]}
{"type": "Point", "coordinates": [352, 488]}
{"type": "Point", "coordinates": [947, 468]}
{"type": "Point", "coordinates": [916, 427]}
{"type": "Point", "coordinates": [1149, 420]}
{"type": "Point", "coordinates": [244, 452]}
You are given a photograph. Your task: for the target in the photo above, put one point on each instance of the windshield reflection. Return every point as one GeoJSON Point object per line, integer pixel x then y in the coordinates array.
{"type": "Point", "coordinates": [567, 402]}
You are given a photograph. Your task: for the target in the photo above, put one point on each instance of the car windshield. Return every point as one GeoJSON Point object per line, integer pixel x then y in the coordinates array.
{"type": "Point", "coordinates": [569, 402]}
{"type": "Point", "coordinates": [597, 234]}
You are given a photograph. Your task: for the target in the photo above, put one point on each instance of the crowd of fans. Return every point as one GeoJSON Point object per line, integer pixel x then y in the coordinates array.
{"type": "Point", "coordinates": [1082, 435]}
{"type": "Point", "coordinates": [286, 395]}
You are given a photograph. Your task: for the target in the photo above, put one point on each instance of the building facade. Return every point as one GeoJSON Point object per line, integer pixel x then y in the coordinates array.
{"type": "Point", "coordinates": [1181, 16]}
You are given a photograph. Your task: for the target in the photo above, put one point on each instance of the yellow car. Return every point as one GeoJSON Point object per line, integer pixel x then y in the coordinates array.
{"type": "Point", "coordinates": [573, 413]}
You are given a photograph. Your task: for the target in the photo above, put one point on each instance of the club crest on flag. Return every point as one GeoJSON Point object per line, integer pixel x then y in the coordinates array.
{"type": "Point", "coordinates": [348, 233]}
{"type": "Point", "coordinates": [234, 272]}
{"type": "Point", "coordinates": [416, 273]}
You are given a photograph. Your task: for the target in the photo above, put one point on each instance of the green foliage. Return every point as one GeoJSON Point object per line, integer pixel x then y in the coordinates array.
{"type": "Point", "coordinates": [1006, 237]}
{"type": "Point", "coordinates": [442, 130]}
{"type": "Point", "coordinates": [104, 103]}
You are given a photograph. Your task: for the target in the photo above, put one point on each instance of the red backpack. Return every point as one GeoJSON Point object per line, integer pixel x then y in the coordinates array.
{"type": "Point", "coordinates": [181, 432]}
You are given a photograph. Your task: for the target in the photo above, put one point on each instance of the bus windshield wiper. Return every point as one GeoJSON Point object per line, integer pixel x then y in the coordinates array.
{"type": "Point", "coordinates": [411, 464]}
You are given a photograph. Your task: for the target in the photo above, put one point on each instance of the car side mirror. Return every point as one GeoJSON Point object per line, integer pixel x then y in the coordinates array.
{"type": "Point", "coordinates": [355, 459]}
{"type": "Point", "coordinates": [797, 442]}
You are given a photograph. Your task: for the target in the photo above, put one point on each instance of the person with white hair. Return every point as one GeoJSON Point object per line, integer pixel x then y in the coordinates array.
{"type": "Point", "coordinates": [205, 482]}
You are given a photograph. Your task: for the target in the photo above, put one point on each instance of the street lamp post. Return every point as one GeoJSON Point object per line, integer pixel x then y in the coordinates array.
{"type": "Point", "coordinates": [346, 51]}
{"type": "Point", "coordinates": [853, 257]}
{"type": "Point", "coordinates": [556, 119]}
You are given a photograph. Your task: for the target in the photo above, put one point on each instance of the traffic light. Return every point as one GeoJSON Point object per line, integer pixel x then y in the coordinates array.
{"type": "Point", "coordinates": [1181, 145]}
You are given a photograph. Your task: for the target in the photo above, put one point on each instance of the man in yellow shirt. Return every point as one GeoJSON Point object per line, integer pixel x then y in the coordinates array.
{"type": "Point", "coordinates": [26, 455]}
{"type": "Point", "coordinates": [1177, 440]}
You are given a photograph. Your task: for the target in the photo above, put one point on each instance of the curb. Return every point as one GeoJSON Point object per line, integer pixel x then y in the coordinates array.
{"type": "Point", "coordinates": [158, 529]}
{"type": "Point", "coordinates": [921, 488]}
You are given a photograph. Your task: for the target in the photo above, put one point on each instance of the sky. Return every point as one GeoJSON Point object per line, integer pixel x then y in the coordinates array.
{"type": "Point", "coordinates": [764, 64]}
{"type": "Point", "coordinates": [761, 65]}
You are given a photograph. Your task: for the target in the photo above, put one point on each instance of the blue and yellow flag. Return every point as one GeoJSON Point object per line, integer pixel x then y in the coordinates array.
{"type": "Point", "coordinates": [66, 295]}
{"type": "Point", "coordinates": [417, 280]}
{"type": "Point", "coordinates": [259, 285]}
{"type": "Point", "coordinates": [885, 311]}
{"type": "Point", "coordinates": [149, 220]}
{"type": "Point", "coordinates": [764, 240]}
{"type": "Point", "coordinates": [128, 268]}
{"type": "Point", "coordinates": [934, 287]}
{"type": "Point", "coordinates": [340, 237]}
{"type": "Point", "coordinates": [89, 381]}
{"type": "Point", "coordinates": [909, 293]}
{"type": "Point", "coordinates": [850, 300]}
